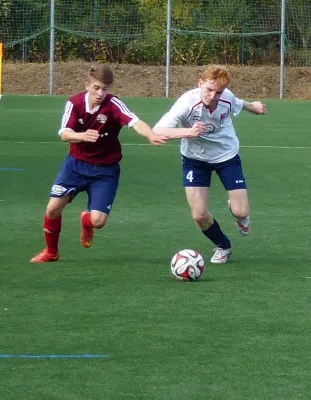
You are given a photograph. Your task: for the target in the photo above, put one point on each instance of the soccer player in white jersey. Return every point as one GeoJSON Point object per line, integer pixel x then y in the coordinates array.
{"type": "Point", "coordinates": [216, 150]}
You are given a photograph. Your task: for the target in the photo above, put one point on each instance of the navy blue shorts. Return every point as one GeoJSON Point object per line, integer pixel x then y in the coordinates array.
{"type": "Point", "coordinates": [199, 173]}
{"type": "Point", "coordinates": [99, 181]}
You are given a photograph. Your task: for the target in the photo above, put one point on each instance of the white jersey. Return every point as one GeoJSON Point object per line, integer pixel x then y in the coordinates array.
{"type": "Point", "coordinates": [219, 143]}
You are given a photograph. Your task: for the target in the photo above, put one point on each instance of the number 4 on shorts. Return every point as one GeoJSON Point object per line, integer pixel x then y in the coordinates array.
{"type": "Point", "coordinates": [190, 176]}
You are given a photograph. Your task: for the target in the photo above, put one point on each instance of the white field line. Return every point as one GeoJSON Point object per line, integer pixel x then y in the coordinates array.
{"type": "Point", "coordinates": [167, 145]}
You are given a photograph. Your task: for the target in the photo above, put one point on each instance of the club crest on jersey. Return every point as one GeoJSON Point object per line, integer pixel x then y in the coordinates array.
{"type": "Point", "coordinates": [210, 128]}
{"type": "Point", "coordinates": [101, 118]}
{"type": "Point", "coordinates": [223, 116]}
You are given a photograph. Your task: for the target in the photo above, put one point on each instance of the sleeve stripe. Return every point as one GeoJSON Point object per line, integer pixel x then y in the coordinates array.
{"type": "Point", "coordinates": [66, 115]}
{"type": "Point", "coordinates": [226, 101]}
{"type": "Point", "coordinates": [123, 107]}
{"type": "Point", "coordinates": [193, 107]}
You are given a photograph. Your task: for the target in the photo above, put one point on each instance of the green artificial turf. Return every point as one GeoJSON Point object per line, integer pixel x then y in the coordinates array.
{"type": "Point", "coordinates": [242, 332]}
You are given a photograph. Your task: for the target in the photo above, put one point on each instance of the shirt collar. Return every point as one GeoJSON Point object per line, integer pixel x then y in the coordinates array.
{"type": "Point", "coordinates": [87, 107]}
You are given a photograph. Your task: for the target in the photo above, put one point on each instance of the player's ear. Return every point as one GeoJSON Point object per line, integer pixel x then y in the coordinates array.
{"type": "Point", "coordinates": [87, 85]}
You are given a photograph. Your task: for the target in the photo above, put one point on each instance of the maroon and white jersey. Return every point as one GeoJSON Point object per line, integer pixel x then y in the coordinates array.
{"type": "Point", "coordinates": [219, 143]}
{"type": "Point", "coordinates": [107, 118]}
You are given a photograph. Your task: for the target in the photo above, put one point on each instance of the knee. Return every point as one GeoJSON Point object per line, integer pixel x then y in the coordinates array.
{"type": "Point", "coordinates": [53, 211]}
{"type": "Point", "coordinates": [99, 221]}
{"type": "Point", "coordinates": [202, 219]}
{"type": "Point", "coordinates": [56, 205]}
{"type": "Point", "coordinates": [240, 211]}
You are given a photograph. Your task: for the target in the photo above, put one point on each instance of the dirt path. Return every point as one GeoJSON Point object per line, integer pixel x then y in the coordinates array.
{"type": "Point", "coordinates": [149, 81]}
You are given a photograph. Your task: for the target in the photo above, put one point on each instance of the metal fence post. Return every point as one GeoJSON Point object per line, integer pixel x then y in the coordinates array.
{"type": "Point", "coordinates": [168, 46]}
{"type": "Point", "coordinates": [282, 56]}
{"type": "Point", "coordinates": [52, 41]}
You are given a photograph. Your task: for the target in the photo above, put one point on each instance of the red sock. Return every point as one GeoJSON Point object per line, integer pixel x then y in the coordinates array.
{"type": "Point", "coordinates": [52, 228]}
{"type": "Point", "coordinates": [87, 221]}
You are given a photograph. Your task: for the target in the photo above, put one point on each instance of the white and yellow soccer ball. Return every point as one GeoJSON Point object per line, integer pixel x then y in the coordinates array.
{"type": "Point", "coordinates": [187, 265]}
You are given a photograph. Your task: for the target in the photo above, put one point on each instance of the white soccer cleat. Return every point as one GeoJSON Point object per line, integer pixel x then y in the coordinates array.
{"type": "Point", "coordinates": [242, 224]}
{"type": "Point", "coordinates": [221, 255]}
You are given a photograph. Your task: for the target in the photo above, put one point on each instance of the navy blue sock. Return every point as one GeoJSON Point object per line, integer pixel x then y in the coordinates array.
{"type": "Point", "coordinates": [216, 235]}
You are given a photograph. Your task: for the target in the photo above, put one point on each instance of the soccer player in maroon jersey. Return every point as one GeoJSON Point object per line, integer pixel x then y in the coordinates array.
{"type": "Point", "coordinates": [91, 124]}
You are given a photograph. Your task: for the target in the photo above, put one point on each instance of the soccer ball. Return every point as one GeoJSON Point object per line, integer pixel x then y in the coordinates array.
{"type": "Point", "coordinates": [187, 265]}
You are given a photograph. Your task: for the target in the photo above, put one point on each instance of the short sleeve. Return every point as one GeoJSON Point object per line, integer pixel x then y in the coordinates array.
{"type": "Point", "coordinates": [69, 118]}
{"type": "Point", "coordinates": [237, 105]}
{"type": "Point", "coordinates": [122, 114]}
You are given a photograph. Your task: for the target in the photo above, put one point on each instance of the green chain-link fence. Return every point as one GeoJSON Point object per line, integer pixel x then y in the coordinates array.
{"type": "Point", "coordinates": [136, 31]}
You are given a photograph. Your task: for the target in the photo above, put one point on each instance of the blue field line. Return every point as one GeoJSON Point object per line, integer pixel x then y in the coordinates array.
{"type": "Point", "coordinates": [26, 169]}
{"type": "Point", "coordinates": [12, 169]}
{"type": "Point", "coordinates": [44, 356]}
